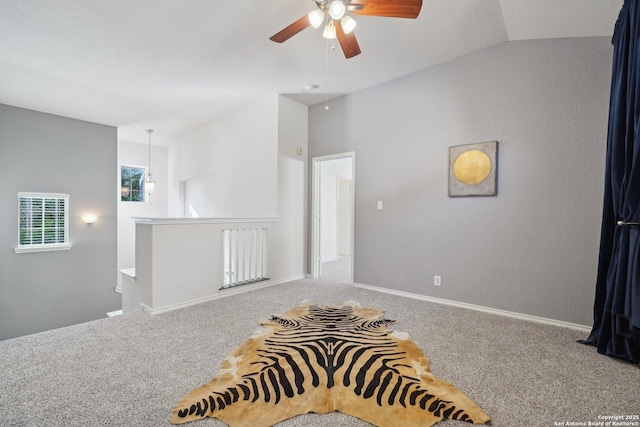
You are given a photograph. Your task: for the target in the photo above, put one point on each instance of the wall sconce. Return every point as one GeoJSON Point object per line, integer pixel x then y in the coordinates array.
{"type": "Point", "coordinates": [89, 219]}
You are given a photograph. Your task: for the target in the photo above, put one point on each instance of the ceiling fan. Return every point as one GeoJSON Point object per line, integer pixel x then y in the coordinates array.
{"type": "Point", "coordinates": [339, 24]}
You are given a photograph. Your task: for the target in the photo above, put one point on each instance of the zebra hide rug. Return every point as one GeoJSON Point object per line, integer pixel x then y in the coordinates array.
{"type": "Point", "coordinates": [323, 359]}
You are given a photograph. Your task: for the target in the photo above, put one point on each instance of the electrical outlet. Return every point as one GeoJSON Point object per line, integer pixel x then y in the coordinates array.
{"type": "Point", "coordinates": [437, 281]}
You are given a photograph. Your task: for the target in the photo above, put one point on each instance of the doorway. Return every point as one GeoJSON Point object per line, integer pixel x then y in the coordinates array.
{"type": "Point", "coordinates": [333, 216]}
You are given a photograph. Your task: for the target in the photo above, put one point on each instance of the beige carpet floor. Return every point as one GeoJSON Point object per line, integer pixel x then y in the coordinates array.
{"type": "Point", "coordinates": [131, 370]}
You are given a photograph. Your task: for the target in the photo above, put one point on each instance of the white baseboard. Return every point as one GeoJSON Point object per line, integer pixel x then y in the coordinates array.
{"type": "Point", "coordinates": [114, 313]}
{"type": "Point", "coordinates": [512, 314]}
{"type": "Point", "coordinates": [222, 294]}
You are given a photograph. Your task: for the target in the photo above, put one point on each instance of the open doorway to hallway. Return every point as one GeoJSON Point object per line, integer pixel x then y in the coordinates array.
{"type": "Point", "coordinates": [333, 217]}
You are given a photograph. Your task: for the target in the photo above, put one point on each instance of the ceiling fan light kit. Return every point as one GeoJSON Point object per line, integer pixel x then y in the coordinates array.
{"type": "Point", "coordinates": [329, 31]}
{"type": "Point", "coordinates": [337, 9]}
{"type": "Point", "coordinates": [348, 24]}
{"type": "Point", "coordinates": [316, 18]}
{"type": "Point", "coordinates": [340, 25]}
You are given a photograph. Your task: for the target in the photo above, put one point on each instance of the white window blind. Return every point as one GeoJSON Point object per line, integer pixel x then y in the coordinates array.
{"type": "Point", "coordinates": [44, 222]}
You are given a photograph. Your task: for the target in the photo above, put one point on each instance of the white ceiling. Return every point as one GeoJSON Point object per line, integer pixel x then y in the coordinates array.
{"type": "Point", "coordinates": [173, 64]}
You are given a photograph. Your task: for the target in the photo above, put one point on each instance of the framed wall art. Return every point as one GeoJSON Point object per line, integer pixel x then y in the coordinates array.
{"type": "Point", "coordinates": [473, 169]}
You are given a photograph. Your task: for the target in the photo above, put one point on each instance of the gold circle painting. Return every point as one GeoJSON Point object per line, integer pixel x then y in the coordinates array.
{"type": "Point", "coordinates": [472, 167]}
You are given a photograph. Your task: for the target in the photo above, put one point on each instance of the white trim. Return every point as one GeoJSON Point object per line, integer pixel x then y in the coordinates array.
{"type": "Point", "coordinates": [505, 313]}
{"type": "Point", "coordinates": [315, 218]}
{"type": "Point", "coordinates": [118, 290]}
{"type": "Point", "coordinates": [114, 313]}
{"type": "Point", "coordinates": [129, 273]}
{"type": "Point", "coordinates": [33, 195]}
{"type": "Point", "coordinates": [315, 210]}
{"type": "Point", "coordinates": [223, 294]}
{"type": "Point", "coordinates": [25, 249]}
{"type": "Point", "coordinates": [167, 221]}
{"type": "Point", "coordinates": [41, 245]}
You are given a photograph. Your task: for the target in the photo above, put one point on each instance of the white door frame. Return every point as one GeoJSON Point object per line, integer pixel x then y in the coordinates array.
{"type": "Point", "coordinates": [315, 209]}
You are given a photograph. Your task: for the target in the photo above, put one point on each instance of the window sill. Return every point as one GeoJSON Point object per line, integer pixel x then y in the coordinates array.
{"type": "Point", "coordinates": [134, 203]}
{"type": "Point", "coordinates": [42, 248]}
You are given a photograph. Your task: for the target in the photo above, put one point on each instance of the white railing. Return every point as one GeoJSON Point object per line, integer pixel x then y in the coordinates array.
{"type": "Point", "coordinates": [245, 256]}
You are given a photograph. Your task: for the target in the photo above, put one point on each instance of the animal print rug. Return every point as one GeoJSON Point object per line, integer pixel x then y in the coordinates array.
{"type": "Point", "coordinates": [323, 359]}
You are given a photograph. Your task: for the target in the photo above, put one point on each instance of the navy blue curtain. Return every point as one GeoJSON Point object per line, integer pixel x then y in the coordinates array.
{"type": "Point", "coordinates": [616, 318]}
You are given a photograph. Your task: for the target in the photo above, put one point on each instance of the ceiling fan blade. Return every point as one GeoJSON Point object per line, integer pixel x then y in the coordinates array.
{"type": "Point", "coordinates": [348, 42]}
{"type": "Point", "coordinates": [291, 30]}
{"type": "Point", "coordinates": [388, 8]}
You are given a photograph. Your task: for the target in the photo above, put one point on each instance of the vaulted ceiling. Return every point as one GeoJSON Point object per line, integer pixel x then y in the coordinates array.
{"type": "Point", "coordinates": [173, 64]}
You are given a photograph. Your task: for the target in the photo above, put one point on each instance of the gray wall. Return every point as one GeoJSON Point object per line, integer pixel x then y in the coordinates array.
{"type": "Point", "coordinates": [531, 249]}
{"type": "Point", "coordinates": [45, 153]}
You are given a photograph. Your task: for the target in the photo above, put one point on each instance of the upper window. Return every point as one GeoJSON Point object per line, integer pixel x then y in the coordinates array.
{"type": "Point", "coordinates": [44, 222]}
{"type": "Point", "coordinates": [132, 184]}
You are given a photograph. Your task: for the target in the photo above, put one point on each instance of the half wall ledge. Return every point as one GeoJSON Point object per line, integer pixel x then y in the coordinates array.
{"type": "Point", "coordinates": [185, 261]}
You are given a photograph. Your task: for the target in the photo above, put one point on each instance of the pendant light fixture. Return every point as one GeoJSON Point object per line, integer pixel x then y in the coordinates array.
{"type": "Point", "coordinates": [149, 183]}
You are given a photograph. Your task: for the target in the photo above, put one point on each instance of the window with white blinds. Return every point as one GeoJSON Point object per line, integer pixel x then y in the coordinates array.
{"type": "Point", "coordinates": [43, 222]}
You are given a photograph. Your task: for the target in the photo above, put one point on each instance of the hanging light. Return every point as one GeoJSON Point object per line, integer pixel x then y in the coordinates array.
{"type": "Point", "coordinates": [316, 17]}
{"type": "Point", "coordinates": [149, 183]}
{"type": "Point", "coordinates": [348, 24]}
{"type": "Point", "coordinates": [329, 31]}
